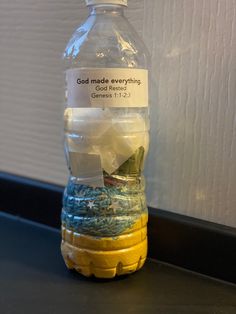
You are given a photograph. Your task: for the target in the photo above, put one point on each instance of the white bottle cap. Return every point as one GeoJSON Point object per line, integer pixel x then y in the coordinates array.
{"type": "Point", "coordinates": [92, 2]}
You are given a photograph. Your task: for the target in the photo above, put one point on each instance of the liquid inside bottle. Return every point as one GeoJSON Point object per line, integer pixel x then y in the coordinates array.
{"type": "Point", "coordinates": [106, 123]}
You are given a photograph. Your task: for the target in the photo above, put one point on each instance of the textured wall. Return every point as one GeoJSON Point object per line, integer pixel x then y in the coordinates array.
{"type": "Point", "coordinates": [193, 45]}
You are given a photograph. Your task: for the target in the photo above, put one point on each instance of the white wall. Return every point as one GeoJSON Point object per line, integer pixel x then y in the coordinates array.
{"type": "Point", "coordinates": [192, 164]}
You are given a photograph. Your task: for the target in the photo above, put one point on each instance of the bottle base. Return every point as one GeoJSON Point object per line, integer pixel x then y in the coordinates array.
{"type": "Point", "coordinates": [105, 257]}
{"type": "Point", "coordinates": [119, 262]}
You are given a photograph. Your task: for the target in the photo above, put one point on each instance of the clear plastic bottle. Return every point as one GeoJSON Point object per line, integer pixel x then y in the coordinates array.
{"type": "Point", "coordinates": [104, 215]}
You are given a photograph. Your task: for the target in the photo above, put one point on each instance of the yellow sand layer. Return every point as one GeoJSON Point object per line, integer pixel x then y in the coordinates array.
{"type": "Point", "coordinates": [106, 257]}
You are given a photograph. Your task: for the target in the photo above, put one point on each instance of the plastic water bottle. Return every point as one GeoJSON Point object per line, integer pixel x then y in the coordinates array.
{"type": "Point", "coordinates": [104, 215]}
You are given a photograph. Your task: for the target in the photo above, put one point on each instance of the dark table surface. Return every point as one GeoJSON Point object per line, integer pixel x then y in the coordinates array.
{"type": "Point", "coordinates": [33, 279]}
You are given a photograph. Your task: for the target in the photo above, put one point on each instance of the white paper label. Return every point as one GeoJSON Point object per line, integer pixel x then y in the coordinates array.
{"type": "Point", "coordinates": [102, 87]}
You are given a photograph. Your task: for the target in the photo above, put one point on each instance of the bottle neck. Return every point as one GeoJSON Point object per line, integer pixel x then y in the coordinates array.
{"type": "Point", "coordinates": [111, 9]}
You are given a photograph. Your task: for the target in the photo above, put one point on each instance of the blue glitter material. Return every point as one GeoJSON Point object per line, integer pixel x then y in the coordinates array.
{"type": "Point", "coordinates": [106, 211]}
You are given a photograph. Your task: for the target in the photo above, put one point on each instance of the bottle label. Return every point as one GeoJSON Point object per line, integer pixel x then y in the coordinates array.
{"type": "Point", "coordinates": [102, 87]}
